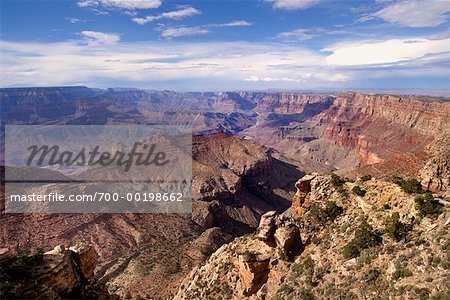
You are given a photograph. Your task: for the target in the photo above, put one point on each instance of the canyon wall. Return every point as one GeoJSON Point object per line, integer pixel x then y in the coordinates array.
{"type": "Point", "coordinates": [356, 134]}
{"type": "Point", "coordinates": [389, 133]}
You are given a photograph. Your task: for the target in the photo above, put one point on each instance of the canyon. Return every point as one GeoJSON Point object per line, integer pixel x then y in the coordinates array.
{"type": "Point", "coordinates": [249, 149]}
{"type": "Point", "coordinates": [349, 133]}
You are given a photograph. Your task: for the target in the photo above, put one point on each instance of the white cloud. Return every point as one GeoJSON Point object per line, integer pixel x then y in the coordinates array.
{"type": "Point", "coordinates": [182, 12]}
{"type": "Point", "coordinates": [173, 32]}
{"type": "Point", "coordinates": [121, 4]}
{"type": "Point", "coordinates": [87, 3]}
{"type": "Point", "coordinates": [302, 78]}
{"type": "Point", "coordinates": [95, 37]}
{"type": "Point", "coordinates": [297, 34]}
{"type": "Point", "coordinates": [145, 63]}
{"type": "Point", "coordinates": [416, 13]}
{"type": "Point", "coordinates": [220, 65]}
{"type": "Point", "coordinates": [293, 4]}
{"type": "Point", "coordinates": [338, 77]}
{"type": "Point", "coordinates": [74, 20]}
{"type": "Point", "coordinates": [303, 34]}
{"type": "Point", "coordinates": [236, 23]}
{"type": "Point", "coordinates": [385, 52]}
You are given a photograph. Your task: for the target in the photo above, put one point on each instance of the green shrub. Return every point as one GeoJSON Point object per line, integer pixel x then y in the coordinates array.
{"type": "Point", "coordinates": [358, 191]}
{"type": "Point", "coordinates": [366, 178]}
{"type": "Point", "coordinates": [332, 210]}
{"type": "Point", "coordinates": [338, 183]}
{"type": "Point", "coordinates": [285, 289]}
{"type": "Point", "coordinates": [401, 273]}
{"type": "Point", "coordinates": [364, 239]}
{"type": "Point", "coordinates": [371, 275]}
{"type": "Point", "coordinates": [336, 180]}
{"type": "Point", "coordinates": [426, 205]}
{"type": "Point", "coordinates": [410, 186]}
{"type": "Point", "coordinates": [366, 256]}
{"type": "Point", "coordinates": [20, 267]}
{"type": "Point", "coordinates": [323, 215]}
{"type": "Point", "coordinates": [395, 228]}
{"type": "Point", "coordinates": [250, 255]}
{"type": "Point", "coordinates": [308, 269]}
{"type": "Point", "coordinates": [306, 295]}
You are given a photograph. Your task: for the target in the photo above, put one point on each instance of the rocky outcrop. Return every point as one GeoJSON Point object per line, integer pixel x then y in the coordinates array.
{"type": "Point", "coordinates": [266, 226]}
{"type": "Point", "coordinates": [287, 237]}
{"type": "Point", "coordinates": [59, 273]}
{"type": "Point", "coordinates": [303, 186]}
{"type": "Point", "coordinates": [86, 258]}
{"type": "Point", "coordinates": [253, 272]}
{"type": "Point", "coordinates": [246, 268]}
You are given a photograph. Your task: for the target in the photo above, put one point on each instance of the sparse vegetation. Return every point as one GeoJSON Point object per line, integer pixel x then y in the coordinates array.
{"type": "Point", "coordinates": [249, 256]}
{"type": "Point", "coordinates": [371, 275]}
{"type": "Point", "coordinates": [358, 191]}
{"type": "Point", "coordinates": [401, 273]}
{"type": "Point", "coordinates": [283, 255]}
{"type": "Point", "coordinates": [308, 269]}
{"type": "Point", "coordinates": [323, 215]}
{"type": "Point", "coordinates": [410, 262]}
{"type": "Point", "coordinates": [365, 178]}
{"type": "Point", "coordinates": [395, 228]}
{"type": "Point", "coordinates": [364, 238]}
{"type": "Point", "coordinates": [427, 206]}
{"type": "Point", "coordinates": [306, 295]}
{"type": "Point", "coordinates": [338, 182]}
{"type": "Point", "coordinates": [366, 256]}
{"type": "Point", "coordinates": [24, 262]}
{"type": "Point", "coordinates": [410, 186]}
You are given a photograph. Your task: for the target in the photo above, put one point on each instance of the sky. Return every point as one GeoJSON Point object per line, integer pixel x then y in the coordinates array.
{"type": "Point", "coordinates": [215, 45]}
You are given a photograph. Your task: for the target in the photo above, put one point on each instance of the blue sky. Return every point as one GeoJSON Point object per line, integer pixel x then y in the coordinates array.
{"type": "Point", "coordinates": [227, 45]}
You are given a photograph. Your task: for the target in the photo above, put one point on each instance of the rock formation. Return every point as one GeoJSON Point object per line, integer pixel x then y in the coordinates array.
{"type": "Point", "coordinates": [60, 273]}
{"type": "Point", "coordinates": [303, 186]}
{"type": "Point", "coordinates": [266, 226]}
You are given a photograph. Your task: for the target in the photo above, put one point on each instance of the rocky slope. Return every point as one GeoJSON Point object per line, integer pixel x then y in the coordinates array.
{"type": "Point", "coordinates": [435, 174]}
{"type": "Point", "coordinates": [335, 245]}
